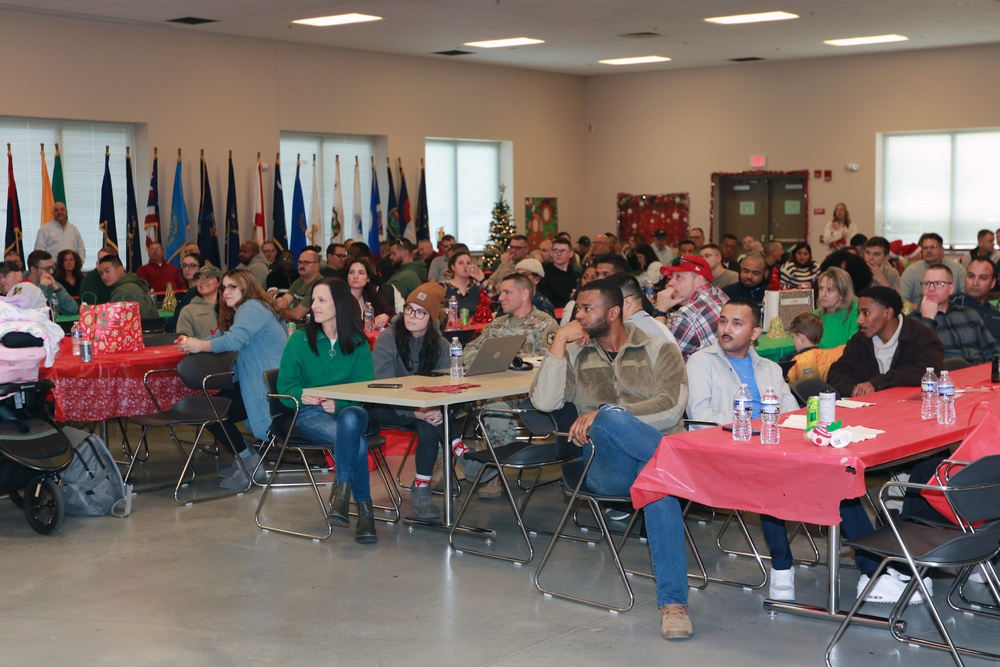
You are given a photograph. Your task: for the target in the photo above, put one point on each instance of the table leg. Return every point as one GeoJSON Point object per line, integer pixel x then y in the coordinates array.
{"type": "Point", "coordinates": [831, 611]}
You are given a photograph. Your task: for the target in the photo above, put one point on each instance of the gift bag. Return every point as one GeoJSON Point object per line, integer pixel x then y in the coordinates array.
{"type": "Point", "coordinates": [980, 440]}
{"type": "Point", "coordinates": [114, 327]}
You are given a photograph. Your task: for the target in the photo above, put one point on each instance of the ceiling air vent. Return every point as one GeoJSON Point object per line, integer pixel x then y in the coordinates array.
{"type": "Point", "coordinates": [640, 35]}
{"type": "Point", "coordinates": [191, 20]}
{"type": "Point", "coordinates": [453, 52]}
{"type": "Point", "coordinates": [748, 59]}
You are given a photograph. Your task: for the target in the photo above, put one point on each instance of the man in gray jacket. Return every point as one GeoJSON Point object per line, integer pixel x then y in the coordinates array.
{"type": "Point", "coordinates": [628, 388]}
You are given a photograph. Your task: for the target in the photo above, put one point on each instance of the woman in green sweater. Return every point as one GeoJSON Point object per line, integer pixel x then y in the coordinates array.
{"type": "Point", "coordinates": [837, 307]}
{"type": "Point", "coordinates": [332, 349]}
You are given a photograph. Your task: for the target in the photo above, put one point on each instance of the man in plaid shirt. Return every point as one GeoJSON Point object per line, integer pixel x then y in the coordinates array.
{"type": "Point", "coordinates": [690, 284]}
{"type": "Point", "coordinates": [961, 330]}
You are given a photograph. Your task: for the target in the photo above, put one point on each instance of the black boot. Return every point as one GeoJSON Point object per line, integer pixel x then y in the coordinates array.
{"type": "Point", "coordinates": [340, 505]}
{"type": "Point", "coordinates": [365, 531]}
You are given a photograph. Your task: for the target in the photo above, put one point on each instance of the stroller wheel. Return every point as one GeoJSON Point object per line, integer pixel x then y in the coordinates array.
{"type": "Point", "coordinates": [44, 507]}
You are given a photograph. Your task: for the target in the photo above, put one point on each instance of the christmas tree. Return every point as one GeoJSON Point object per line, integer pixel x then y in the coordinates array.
{"type": "Point", "coordinates": [501, 229]}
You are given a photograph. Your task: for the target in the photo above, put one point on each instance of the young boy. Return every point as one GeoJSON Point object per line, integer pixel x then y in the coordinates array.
{"type": "Point", "coordinates": [810, 361]}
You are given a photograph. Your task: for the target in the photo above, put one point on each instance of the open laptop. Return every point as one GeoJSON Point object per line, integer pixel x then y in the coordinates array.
{"type": "Point", "coordinates": [495, 355]}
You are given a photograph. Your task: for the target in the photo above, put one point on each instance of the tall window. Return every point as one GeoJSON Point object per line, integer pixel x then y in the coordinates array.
{"type": "Point", "coordinates": [82, 145]}
{"type": "Point", "coordinates": [463, 184]}
{"type": "Point", "coordinates": [944, 182]}
{"type": "Point", "coordinates": [326, 148]}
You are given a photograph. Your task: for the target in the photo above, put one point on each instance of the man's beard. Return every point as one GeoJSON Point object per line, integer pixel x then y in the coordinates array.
{"type": "Point", "coordinates": [598, 329]}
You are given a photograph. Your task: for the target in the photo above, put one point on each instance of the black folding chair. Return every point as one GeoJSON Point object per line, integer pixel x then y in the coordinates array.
{"type": "Point", "coordinates": [974, 495]}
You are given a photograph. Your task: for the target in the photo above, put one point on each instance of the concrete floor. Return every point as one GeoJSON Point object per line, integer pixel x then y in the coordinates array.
{"type": "Point", "coordinates": [202, 585]}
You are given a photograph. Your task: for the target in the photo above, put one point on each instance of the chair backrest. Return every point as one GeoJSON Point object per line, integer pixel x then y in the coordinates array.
{"type": "Point", "coordinates": [158, 339]}
{"type": "Point", "coordinates": [277, 408]}
{"type": "Point", "coordinates": [543, 423]}
{"type": "Point", "coordinates": [977, 504]}
{"type": "Point", "coordinates": [954, 363]}
{"type": "Point", "coordinates": [803, 389]}
{"type": "Point", "coordinates": [194, 368]}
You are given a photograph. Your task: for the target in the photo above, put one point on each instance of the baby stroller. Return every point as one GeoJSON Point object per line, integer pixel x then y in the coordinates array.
{"type": "Point", "coordinates": [33, 449]}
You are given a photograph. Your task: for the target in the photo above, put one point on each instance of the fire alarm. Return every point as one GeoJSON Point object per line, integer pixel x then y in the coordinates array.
{"type": "Point", "coordinates": [827, 175]}
{"type": "Point", "coordinates": [854, 166]}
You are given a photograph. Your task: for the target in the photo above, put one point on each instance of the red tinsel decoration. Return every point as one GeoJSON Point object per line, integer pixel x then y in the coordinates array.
{"type": "Point", "coordinates": [484, 311]}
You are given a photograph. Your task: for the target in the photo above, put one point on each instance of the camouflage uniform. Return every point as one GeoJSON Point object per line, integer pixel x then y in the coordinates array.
{"type": "Point", "coordinates": [539, 330]}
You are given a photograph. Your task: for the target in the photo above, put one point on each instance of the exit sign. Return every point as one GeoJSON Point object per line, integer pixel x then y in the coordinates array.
{"type": "Point", "coordinates": [758, 161]}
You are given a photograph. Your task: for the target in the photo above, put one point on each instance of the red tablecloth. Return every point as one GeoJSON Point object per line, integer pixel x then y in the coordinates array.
{"type": "Point", "coordinates": [111, 386]}
{"type": "Point", "coordinates": [475, 328]}
{"type": "Point", "coordinates": [797, 480]}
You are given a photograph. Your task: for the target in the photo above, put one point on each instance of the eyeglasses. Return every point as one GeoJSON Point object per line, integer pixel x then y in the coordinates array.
{"type": "Point", "coordinates": [207, 278]}
{"type": "Point", "coordinates": [678, 261]}
{"type": "Point", "coordinates": [342, 255]}
{"type": "Point", "coordinates": [230, 287]}
{"type": "Point", "coordinates": [190, 265]}
{"type": "Point", "coordinates": [47, 269]}
{"type": "Point", "coordinates": [935, 283]}
{"type": "Point", "coordinates": [418, 313]}
{"type": "Point", "coordinates": [560, 251]}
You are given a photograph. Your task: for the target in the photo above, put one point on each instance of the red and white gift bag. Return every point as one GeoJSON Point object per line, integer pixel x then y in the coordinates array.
{"type": "Point", "coordinates": [114, 327]}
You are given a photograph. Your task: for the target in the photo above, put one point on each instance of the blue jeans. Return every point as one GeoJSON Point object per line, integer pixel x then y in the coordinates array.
{"type": "Point", "coordinates": [854, 522]}
{"type": "Point", "coordinates": [622, 446]}
{"type": "Point", "coordinates": [345, 431]}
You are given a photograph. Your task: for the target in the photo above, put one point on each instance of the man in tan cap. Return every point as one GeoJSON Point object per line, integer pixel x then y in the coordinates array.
{"type": "Point", "coordinates": [533, 269]}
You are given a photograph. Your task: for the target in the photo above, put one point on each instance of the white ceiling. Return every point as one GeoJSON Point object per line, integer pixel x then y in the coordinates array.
{"type": "Point", "coordinates": [577, 33]}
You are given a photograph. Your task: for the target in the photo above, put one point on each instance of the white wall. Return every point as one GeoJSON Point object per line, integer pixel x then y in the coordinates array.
{"type": "Point", "coordinates": [669, 131]}
{"type": "Point", "coordinates": [651, 133]}
{"type": "Point", "coordinates": [195, 90]}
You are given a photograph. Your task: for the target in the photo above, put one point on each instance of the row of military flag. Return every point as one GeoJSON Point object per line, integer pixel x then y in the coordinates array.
{"type": "Point", "coordinates": [401, 222]}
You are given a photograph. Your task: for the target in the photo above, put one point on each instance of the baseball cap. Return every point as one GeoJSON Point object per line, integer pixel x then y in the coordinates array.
{"type": "Point", "coordinates": [689, 263]}
{"type": "Point", "coordinates": [209, 271]}
{"type": "Point", "coordinates": [660, 234]}
{"type": "Point", "coordinates": [429, 296]}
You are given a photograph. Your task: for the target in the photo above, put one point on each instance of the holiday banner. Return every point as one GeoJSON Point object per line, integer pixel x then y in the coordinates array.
{"type": "Point", "coordinates": [541, 219]}
{"type": "Point", "coordinates": [644, 214]}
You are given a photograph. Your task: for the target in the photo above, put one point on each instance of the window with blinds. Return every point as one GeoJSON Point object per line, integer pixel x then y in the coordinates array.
{"type": "Point", "coordinates": [463, 184]}
{"type": "Point", "coordinates": [82, 145]}
{"type": "Point", "coordinates": [326, 148]}
{"type": "Point", "coordinates": [944, 182]}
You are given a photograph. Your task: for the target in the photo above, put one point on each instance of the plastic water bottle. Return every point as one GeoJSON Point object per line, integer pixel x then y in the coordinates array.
{"type": "Point", "coordinates": [742, 412]}
{"type": "Point", "coordinates": [928, 395]}
{"type": "Point", "coordinates": [770, 407]}
{"type": "Point", "coordinates": [54, 305]}
{"type": "Point", "coordinates": [369, 316]}
{"type": "Point", "coordinates": [453, 322]}
{"type": "Point", "coordinates": [455, 351]}
{"type": "Point", "coordinates": [946, 399]}
{"type": "Point", "coordinates": [75, 336]}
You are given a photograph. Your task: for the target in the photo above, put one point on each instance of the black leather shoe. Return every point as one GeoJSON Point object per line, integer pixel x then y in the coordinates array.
{"type": "Point", "coordinates": [340, 505]}
{"type": "Point", "coordinates": [365, 532]}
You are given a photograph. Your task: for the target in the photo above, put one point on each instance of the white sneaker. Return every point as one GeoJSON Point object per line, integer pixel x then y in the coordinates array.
{"type": "Point", "coordinates": [782, 584]}
{"type": "Point", "coordinates": [905, 578]}
{"type": "Point", "coordinates": [887, 590]}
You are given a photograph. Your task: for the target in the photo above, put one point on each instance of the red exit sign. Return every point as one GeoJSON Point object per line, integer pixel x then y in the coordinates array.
{"type": "Point", "coordinates": [819, 211]}
{"type": "Point", "coordinates": [758, 161]}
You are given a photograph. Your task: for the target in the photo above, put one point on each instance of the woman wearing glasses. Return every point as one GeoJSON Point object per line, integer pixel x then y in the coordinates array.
{"type": "Point", "coordinates": [413, 345]}
{"type": "Point", "coordinates": [359, 278]}
{"type": "Point", "coordinates": [191, 263]}
{"type": "Point", "coordinates": [837, 307]}
{"type": "Point", "coordinates": [332, 349]}
{"type": "Point", "coordinates": [250, 324]}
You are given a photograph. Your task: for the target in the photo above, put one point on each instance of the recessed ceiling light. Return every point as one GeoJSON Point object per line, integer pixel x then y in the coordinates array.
{"type": "Point", "coordinates": [500, 43]}
{"type": "Point", "coordinates": [858, 41]}
{"type": "Point", "coordinates": [753, 18]}
{"type": "Point", "coordinates": [340, 19]}
{"type": "Point", "coordinates": [634, 61]}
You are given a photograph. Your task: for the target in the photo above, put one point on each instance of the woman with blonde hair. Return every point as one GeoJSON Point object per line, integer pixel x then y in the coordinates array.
{"type": "Point", "coordinates": [838, 308]}
{"type": "Point", "coordinates": [251, 325]}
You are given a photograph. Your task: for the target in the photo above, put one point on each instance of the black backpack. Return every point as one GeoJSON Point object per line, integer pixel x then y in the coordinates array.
{"type": "Point", "coordinates": [92, 485]}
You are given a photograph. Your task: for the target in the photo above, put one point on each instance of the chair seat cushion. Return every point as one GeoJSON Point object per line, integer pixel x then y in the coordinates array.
{"type": "Point", "coordinates": [525, 455]}
{"type": "Point", "coordinates": [188, 410]}
{"type": "Point", "coordinates": [931, 544]}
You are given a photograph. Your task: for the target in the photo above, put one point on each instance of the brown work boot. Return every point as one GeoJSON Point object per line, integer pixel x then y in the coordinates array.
{"type": "Point", "coordinates": [491, 489]}
{"type": "Point", "coordinates": [675, 622]}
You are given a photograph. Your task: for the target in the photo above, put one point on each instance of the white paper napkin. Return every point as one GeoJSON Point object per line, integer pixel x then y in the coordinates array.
{"type": "Point", "coordinates": [847, 403]}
